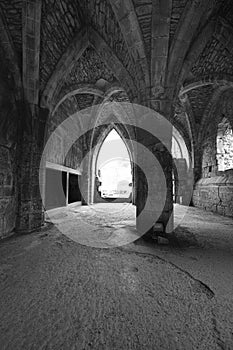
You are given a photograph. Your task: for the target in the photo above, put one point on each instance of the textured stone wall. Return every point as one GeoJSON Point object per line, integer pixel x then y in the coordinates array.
{"type": "Point", "coordinates": [60, 22]}
{"type": "Point", "coordinates": [199, 99]}
{"type": "Point", "coordinates": [100, 16]}
{"type": "Point", "coordinates": [29, 151]}
{"type": "Point", "coordinates": [7, 191]}
{"type": "Point", "coordinates": [214, 190]}
{"type": "Point", "coordinates": [209, 160]}
{"type": "Point", "coordinates": [215, 194]}
{"type": "Point", "coordinates": [177, 10]}
{"type": "Point", "coordinates": [216, 58]}
{"type": "Point", "coordinates": [144, 14]}
{"type": "Point", "coordinates": [12, 11]}
{"type": "Point", "coordinates": [225, 146]}
{"type": "Point", "coordinates": [74, 157]}
{"type": "Point", "coordinates": [8, 143]}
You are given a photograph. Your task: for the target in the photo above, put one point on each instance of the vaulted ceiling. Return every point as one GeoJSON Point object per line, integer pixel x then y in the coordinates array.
{"type": "Point", "coordinates": [178, 50]}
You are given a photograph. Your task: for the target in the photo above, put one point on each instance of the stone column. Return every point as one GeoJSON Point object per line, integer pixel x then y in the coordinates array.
{"type": "Point", "coordinates": [159, 215]}
{"type": "Point", "coordinates": [85, 185]}
{"type": "Point", "coordinates": [30, 147]}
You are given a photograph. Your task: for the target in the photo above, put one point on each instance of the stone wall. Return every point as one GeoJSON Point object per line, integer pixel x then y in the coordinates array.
{"type": "Point", "coordinates": [74, 156]}
{"type": "Point", "coordinates": [7, 191]}
{"type": "Point", "coordinates": [215, 194]}
{"type": "Point", "coordinates": [214, 189]}
{"type": "Point", "coordinates": [225, 146]}
{"type": "Point", "coordinates": [8, 135]}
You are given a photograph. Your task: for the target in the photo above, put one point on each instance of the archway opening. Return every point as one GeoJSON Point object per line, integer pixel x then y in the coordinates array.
{"type": "Point", "coordinates": [224, 145]}
{"type": "Point", "coordinates": [180, 175]}
{"type": "Point", "coordinates": [113, 170]}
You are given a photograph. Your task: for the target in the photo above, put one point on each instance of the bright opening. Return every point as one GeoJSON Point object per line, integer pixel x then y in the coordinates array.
{"type": "Point", "coordinates": [225, 146]}
{"type": "Point", "coordinates": [114, 175]}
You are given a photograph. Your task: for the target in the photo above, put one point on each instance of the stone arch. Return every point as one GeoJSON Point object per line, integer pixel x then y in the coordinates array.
{"type": "Point", "coordinates": [113, 63]}
{"type": "Point", "coordinates": [213, 190]}
{"type": "Point", "coordinates": [86, 37]}
{"type": "Point", "coordinates": [211, 109]}
{"type": "Point", "coordinates": [76, 90]}
{"type": "Point", "coordinates": [216, 110]}
{"type": "Point", "coordinates": [81, 89]}
{"type": "Point", "coordinates": [182, 160]}
{"type": "Point", "coordinates": [127, 18]}
{"type": "Point", "coordinates": [220, 80]}
{"type": "Point", "coordinates": [65, 64]}
{"type": "Point", "coordinates": [224, 145]}
{"type": "Point", "coordinates": [11, 58]}
{"type": "Point", "coordinates": [122, 132]}
{"type": "Point", "coordinates": [115, 119]}
{"type": "Point", "coordinates": [10, 129]}
{"type": "Point", "coordinates": [196, 49]}
{"type": "Point", "coordinates": [185, 33]}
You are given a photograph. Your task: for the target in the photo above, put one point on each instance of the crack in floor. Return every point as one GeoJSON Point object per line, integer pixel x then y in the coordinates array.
{"type": "Point", "coordinates": [205, 288]}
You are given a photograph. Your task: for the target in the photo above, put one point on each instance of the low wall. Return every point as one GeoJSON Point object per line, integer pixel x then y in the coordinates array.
{"type": "Point", "coordinates": [215, 194]}
{"type": "Point", "coordinates": [7, 193]}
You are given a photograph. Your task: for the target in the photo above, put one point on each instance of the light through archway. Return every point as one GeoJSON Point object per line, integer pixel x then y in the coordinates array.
{"type": "Point", "coordinates": [113, 169]}
{"type": "Point", "coordinates": [224, 145]}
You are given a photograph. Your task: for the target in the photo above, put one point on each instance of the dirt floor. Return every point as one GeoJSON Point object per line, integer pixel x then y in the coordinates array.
{"type": "Point", "coordinates": [59, 294]}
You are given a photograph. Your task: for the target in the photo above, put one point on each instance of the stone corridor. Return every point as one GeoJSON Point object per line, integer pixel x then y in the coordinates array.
{"type": "Point", "coordinates": [58, 294]}
{"type": "Point", "coordinates": [80, 274]}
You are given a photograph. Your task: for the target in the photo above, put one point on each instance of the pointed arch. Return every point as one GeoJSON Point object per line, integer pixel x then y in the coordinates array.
{"type": "Point", "coordinates": [196, 49]}
{"type": "Point", "coordinates": [185, 32]}
{"type": "Point", "coordinates": [210, 79]}
{"type": "Point", "coordinates": [128, 21]}
{"type": "Point", "coordinates": [80, 43]}
{"type": "Point", "coordinates": [76, 90]}
{"type": "Point", "coordinates": [112, 62]}
{"type": "Point", "coordinates": [31, 19]}
{"type": "Point", "coordinates": [210, 109]}
{"type": "Point", "coordinates": [224, 145]}
{"type": "Point", "coordinates": [121, 129]}
{"type": "Point", "coordinates": [161, 14]}
{"type": "Point", "coordinates": [9, 49]}
{"type": "Point", "coordinates": [64, 66]}
{"type": "Point", "coordinates": [116, 118]}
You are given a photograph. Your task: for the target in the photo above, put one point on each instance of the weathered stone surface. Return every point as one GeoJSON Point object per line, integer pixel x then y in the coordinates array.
{"type": "Point", "coordinates": [7, 191]}
{"type": "Point", "coordinates": [215, 194]}
{"type": "Point", "coordinates": [60, 21]}
{"type": "Point", "coordinates": [181, 122]}
{"type": "Point", "coordinates": [199, 99]}
{"type": "Point", "coordinates": [8, 143]}
{"type": "Point", "coordinates": [123, 38]}
{"type": "Point", "coordinates": [225, 146]}
{"type": "Point", "coordinates": [101, 17]}
{"type": "Point", "coordinates": [216, 58]}
{"type": "Point", "coordinates": [177, 10]}
{"type": "Point", "coordinates": [65, 110]}
{"type": "Point", "coordinates": [214, 190]}
{"type": "Point", "coordinates": [12, 11]}
{"type": "Point", "coordinates": [89, 69]}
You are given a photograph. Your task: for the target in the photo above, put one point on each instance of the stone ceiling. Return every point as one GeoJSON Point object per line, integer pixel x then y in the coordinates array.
{"type": "Point", "coordinates": [152, 40]}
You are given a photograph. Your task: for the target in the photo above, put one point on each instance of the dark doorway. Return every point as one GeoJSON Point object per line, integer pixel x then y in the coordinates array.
{"type": "Point", "coordinates": [55, 196]}
{"type": "Point", "coordinates": [74, 189]}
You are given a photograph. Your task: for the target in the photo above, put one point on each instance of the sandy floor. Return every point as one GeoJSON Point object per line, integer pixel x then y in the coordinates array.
{"type": "Point", "coordinates": [58, 294]}
{"type": "Point", "coordinates": [100, 225]}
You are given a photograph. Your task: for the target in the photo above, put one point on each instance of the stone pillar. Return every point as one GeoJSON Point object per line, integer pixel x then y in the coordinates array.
{"type": "Point", "coordinates": [158, 214]}
{"type": "Point", "coordinates": [31, 141]}
{"type": "Point", "coordinates": [85, 185]}
{"type": "Point", "coordinates": [67, 187]}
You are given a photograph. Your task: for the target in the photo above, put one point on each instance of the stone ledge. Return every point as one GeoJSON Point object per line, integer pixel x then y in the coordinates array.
{"type": "Point", "coordinates": [220, 180]}
{"type": "Point", "coordinates": [215, 194]}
